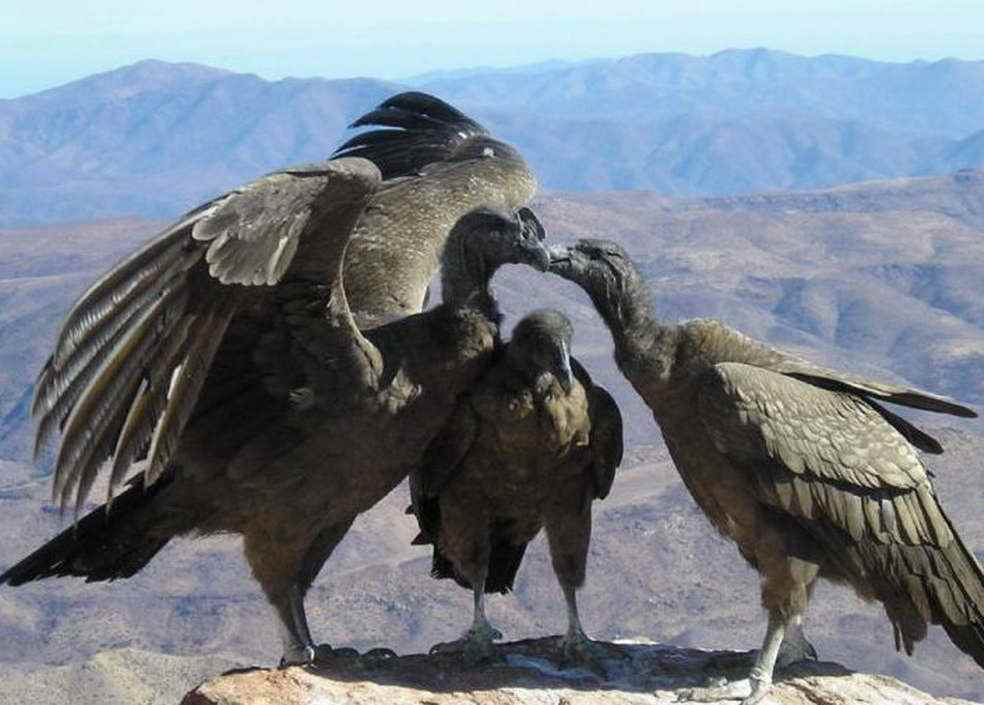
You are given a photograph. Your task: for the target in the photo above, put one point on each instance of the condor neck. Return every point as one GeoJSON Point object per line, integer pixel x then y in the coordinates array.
{"type": "Point", "coordinates": [466, 276]}
{"type": "Point", "coordinates": [629, 316]}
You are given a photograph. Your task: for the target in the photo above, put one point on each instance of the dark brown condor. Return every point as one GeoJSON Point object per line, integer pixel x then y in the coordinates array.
{"type": "Point", "coordinates": [225, 353]}
{"type": "Point", "coordinates": [802, 467]}
{"type": "Point", "coordinates": [529, 448]}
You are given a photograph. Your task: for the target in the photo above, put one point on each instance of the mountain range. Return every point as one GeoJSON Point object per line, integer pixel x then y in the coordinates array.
{"type": "Point", "coordinates": [153, 139]}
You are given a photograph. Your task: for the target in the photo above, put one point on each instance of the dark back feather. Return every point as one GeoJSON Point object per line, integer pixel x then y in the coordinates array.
{"type": "Point", "coordinates": [418, 129]}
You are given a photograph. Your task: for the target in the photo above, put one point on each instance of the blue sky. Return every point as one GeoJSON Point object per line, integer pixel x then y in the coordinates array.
{"type": "Point", "coordinates": [50, 42]}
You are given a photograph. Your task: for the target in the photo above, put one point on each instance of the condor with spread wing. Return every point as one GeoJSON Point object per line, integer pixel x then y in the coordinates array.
{"type": "Point", "coordinates": [226, 354]}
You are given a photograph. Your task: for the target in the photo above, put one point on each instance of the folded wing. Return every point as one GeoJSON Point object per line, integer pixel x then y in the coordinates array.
{"type": "Point", "coordinates": [606, 438]}
{"type": "Point", "coordinates": [831, 461]}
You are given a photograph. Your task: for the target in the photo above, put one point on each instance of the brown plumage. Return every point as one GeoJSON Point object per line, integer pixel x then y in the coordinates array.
{"type": "Point", "coordinates": [226, 354]}
{"type": "Point", "coordinates": [530, 447]}
{"type": "Point", "coordinates": [802, 467]}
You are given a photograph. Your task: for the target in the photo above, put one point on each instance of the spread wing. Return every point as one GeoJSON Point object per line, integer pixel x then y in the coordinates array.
{"type": "Point", "coordinates": [606, 432]}
{"type": "Point", "coordinates": [134, 351]}
{"type": "Point", "coordinates": [830, 460]}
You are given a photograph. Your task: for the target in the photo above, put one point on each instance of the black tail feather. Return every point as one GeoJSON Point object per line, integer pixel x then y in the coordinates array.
{"type": "Point", "coordinates": [504, 562]}
{"type": "Point", "coordinates": [103, 545]}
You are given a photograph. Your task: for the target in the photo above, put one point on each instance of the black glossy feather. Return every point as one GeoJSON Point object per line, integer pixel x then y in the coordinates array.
{"type": "Point", "coordinates": [101, 545]}
{"type": "Point", "coordinates": [417, 129]}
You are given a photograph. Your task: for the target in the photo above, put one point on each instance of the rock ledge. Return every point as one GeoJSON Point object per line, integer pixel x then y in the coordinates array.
{"type": "Point", "coordinates": [529, 674]}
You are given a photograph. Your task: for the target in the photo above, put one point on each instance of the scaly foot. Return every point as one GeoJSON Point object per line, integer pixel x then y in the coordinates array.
{"type": "Point", "coordinates": [323, 652]}
{"type": "Point", "coordinates": [380, 653]}
{"type": "Point", "coordinates": [297, 655]}
{"type": "Point", "coordinates": [580, 651]}
{"type": "Point", "coordinates": [748, 690]}
{"type": "Point", "coordinates": [793, 650]}
{"type": "Point", "coordinates": [475, 645]}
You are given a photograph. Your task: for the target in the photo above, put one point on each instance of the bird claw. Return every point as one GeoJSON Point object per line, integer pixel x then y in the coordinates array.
{"type": "Point", "coordinates": [580, 651]}
{"type": "Point", "coordinates": [748, 690]}
{"type": "Point", "coordinates": [324, 652]}
{"type": "Point", "coordinates": [298, 656]}
{"type": "Point", "coordinates": [792, 651]}
{"type": "Point", "coordinates": [475, 646]}
{"type": "Point", "coordinates": [379, 654]}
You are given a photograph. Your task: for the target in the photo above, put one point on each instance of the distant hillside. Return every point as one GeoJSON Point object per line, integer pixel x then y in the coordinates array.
{"type": "Point", "coordinates": [882, 277]}
{"type": "Point", "coordinates": [153, 139]}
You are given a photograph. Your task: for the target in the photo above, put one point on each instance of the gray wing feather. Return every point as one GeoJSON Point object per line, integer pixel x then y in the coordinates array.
{"type": "Point", "coordinates": [759, 415]}
{"type": "Point", "coordinates": [820, 455]}
{"type": "Point", "coordinates": [831, 461]}
{"type": "Point", "coordinates": [893, 393]}
{"type": "Point", "coordinates": [131, 357]}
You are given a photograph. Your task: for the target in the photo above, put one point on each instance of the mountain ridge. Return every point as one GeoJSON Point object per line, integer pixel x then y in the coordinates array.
{"type": "Point", "coordinates": [153, 138]}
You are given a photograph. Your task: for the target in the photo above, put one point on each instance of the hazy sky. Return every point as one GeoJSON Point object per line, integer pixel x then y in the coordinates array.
{"type": "Point", "coordinates": [48, 42]}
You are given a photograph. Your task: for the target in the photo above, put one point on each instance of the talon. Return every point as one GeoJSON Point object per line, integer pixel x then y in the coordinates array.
{"type": "Point", "coordinates": [301, 656]}
{"type": "Point", "coordinates": [579, 650]}
{"type": "Point", "coordinates": [379, 654]}
{"type": "Point", "coordinates": [475, 646]}
{"type": "Point", "coordinates": [323, 652]}
{"type": "Point", "coordinates": [795, 650]}
{"type": "Point", "coordinates": [748, 690]}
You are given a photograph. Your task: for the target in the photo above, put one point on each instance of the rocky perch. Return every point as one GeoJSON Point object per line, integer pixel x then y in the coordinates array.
{"type": "Point", "coordinates": [528, 673]}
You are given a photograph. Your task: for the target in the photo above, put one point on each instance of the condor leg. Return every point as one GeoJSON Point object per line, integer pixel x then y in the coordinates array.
{"type": "Point", "coordinates": [285, 567]}
{"type": "Point", "coordinates": [465, 540]}
{"type": "Point", "coordinates": [314, 559]}
{"type": "Point", "coordinates": [569, 535]}
{"type": "Point", "coordinates": [753, 689]}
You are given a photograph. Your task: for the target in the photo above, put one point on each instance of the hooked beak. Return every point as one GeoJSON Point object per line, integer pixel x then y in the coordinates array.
{"type": "Point", "coordinates": [533, 236]}
{"type": "Point", "coordinates": [563, 372]}
{"type": "Point", "coordinates": [563, 260]}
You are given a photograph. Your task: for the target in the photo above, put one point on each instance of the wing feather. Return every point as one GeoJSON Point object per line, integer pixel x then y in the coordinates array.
{"type": "Point", "coordinates": [133, 353]}
{"type": "Point", "coordinates": [101, 406]}
{"type": "Point", "coordinates": [893, 393]}
{"type": "Point", "coordinates": [189, 376]}
{"type": "Point", "coordinates": [810, 431]}
{"type": "Point", "coordinates": [871, 503]}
